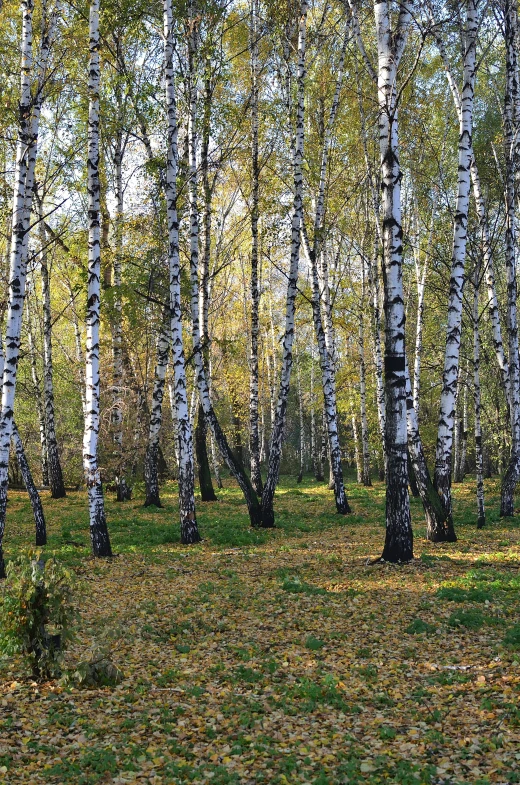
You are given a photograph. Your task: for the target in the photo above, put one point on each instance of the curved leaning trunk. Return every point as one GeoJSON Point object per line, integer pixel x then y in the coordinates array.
{"type": "Point", "coordinates": [200, 373]}
{"type": "Point", "coordinates": [399, 537]}
{"type": "Point", "coordinates": [434, 511]}
{"type": "Point", "coordinates": [444, 449]}
{"type": "Point", "coordinates": [98, 525]}
{"type": "Point", "coordinates": [26, 150]}
{"type": "Point", "coordinates": [328, 380]}
{"type": "Point", "coordinates": [151, 461]}
{"type": "Point", "coordinates": [34, 496]}
{"type": "Point", "coordinates": [188, 521]}
{"type": "Point", "coordinates": [275, 449]}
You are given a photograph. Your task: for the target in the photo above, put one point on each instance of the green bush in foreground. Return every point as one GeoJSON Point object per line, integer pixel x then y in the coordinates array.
{"type": "Point", "coordinates": [36, 613]}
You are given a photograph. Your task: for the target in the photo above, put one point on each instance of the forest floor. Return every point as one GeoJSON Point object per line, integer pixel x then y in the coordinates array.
{"type": "Point", "coordinates": [277, 657]}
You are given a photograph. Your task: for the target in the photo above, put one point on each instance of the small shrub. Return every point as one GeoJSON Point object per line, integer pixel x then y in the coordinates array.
{"type": "Point", "coordinates": [418, 626]}
{"type": "Point", "coordinates": [36, 613]}
{"type": "Point", "coordinates": [97, 671]}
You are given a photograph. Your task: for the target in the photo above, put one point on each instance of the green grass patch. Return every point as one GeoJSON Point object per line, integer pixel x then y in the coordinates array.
{"type": "Point", "coordinates": [418, 627]}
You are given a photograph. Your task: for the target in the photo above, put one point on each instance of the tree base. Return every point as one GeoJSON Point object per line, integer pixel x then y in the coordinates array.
{"type": "Point", "coordinates": [2, 566]}
{"type": "Point", "coordinates": [123, 491]}
{"type": "Point", "coordinates": [153, 501]}
{"type": "Point", "coordinates": [190, 531]}
{"type": "Point", "coordinates": [442, 535]}
{"type": "Point", "coordinates": [299, 478]}
{"type": "Point", "coordinates": [58, 494]}
{"type": "Point", "coordinates": [481, 522]}
{"type": "Point", "coordinates": [343, 508]}
{"type": "Point", "coordinates": [98, 524]}
{"type": "Point", "coordinates": [267, 520]}
{"type": "Point", "coordinates": [207, 495]}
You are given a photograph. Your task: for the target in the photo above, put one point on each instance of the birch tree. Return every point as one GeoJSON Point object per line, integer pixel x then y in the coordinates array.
{"type": "Point", "coordinates": [98, 525]}
{"type": "Point", "coordinates": [275, 449]}
{"type": "Point", "coordinates": [314, 253]}
{"type": "Point", "coordinates": [443, 461]}
{"type": "Point", "coordinates": [26, 151]}
{"type": "Point", "coordinates": [189, 528]}
{"type": "Point", "coordinates": [390, 45]}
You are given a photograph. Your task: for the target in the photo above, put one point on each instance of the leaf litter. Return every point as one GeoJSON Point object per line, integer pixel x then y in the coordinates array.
{"type": "Point", "coordinates": [287, 661]}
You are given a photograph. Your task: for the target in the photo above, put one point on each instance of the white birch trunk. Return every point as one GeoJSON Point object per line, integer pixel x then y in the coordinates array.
{"type": "Point", "coordinates": [188, 521]}
{"type": "Point", "coordinates": [487, 248]}
{"type": "Point", "coordinates": [443, 462]}
{"type": "Point", "coordinates": [328, 380]}
{"type": "Point", "coordinates": [399, 537]}
{"type": "Point", "coordinates": [325, 338]}
{"type": "Point", "coordinates": [32, 491]}
{"type": "Point", "coordinates": [98, 527]}
{"type": "Point", "coordinates": [26, 149]}
{"type": "Point", "coordinates": [275, 450]}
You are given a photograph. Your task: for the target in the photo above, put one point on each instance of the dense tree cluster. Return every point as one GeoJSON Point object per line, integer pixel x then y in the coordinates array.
{"type": "Point", "coordinates": [260, 237]}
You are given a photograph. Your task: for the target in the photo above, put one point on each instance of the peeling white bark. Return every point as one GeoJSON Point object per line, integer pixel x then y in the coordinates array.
{"type": "Point", "coordinates": [443, 461]}
{"type": "Point", "coordinates": [98, 527]}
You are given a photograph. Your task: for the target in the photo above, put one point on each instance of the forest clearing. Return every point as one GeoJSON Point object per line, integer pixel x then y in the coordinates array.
{"type": "Point", "coordinates": [260, 392]}
{"type": "Point", "coordinates": [278, 656]}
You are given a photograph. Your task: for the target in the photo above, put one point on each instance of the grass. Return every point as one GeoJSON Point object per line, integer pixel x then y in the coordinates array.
{"type": "Point", "coordinates": [276, 656]}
